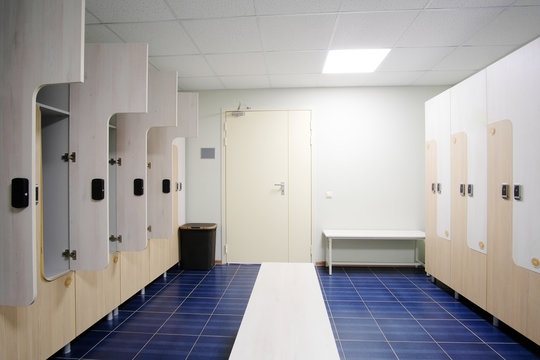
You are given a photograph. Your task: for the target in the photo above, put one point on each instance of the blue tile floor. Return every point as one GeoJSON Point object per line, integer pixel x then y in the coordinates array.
{"type": "Point", "coordinates": [376, 313]}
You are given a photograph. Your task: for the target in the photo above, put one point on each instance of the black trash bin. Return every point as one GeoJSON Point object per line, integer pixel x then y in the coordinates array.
{"type": "Point", "coordinates": [197, 246]}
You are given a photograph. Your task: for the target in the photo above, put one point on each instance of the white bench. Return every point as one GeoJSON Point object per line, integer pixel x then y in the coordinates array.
{"type": "Point", "coordinates": [285, 317]}
{"type": "Point", "coordinates": [332, 235]}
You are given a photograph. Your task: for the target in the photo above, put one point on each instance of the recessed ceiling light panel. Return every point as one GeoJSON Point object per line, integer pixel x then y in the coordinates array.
{"type": "Point", "coordinates": [353, 61]}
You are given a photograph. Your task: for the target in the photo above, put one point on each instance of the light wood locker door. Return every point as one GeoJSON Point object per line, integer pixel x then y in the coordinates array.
{"type": "Point", "coordinates": [507, 283]}
{"type": "Point", "coordinates": [468, 266]}
{"type": "Point", "coordinates": [469, 167]}
{"type": "Point", "coordinates": [52, 52]}
{"type": "Point", "coordinates": [132, 130]}
{"type": "Point", "coordinates": [161, 256]}
{"type": "Point", "coordinates": [438, 127]}
{"type": "Point", "coordinates": [188, 117]}
{"type": "Point", "coordinates": [431, 207]}
{"type": "Point", "coordinates": [160, 204]}
{"type": "Point", "coordinates": [513, 83]}
{"type": "Point", "coordinates": [115, 82]}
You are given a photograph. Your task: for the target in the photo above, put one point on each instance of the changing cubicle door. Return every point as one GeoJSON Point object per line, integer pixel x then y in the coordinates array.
{"type": "Point", "coordinates": [113, 165]}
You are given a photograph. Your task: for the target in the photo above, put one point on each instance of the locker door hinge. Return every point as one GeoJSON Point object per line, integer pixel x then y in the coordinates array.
{"type": "Point", "coordinates": [67, 254]}
{"type": "Point", "coordinates": [149, 228]}
{"type": "Point", "coordinates": [66, 157]}
{"type": "Point", "coordinates": [149, 165]}
{"type": "Point", "coordinates": [226, 248]}
{"type": "Point", "coordinates": [117, 161]}
{"type": "Point", "coordinates": [113, 238]}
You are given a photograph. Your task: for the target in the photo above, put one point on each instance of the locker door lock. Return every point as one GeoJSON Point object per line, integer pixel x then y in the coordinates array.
{"type": "Point", "coordinates": [439, 190]}
{"type": "Point", "coordinates": [470, 190]}
{"type": "Point", "coordinates": [504, 191]}
{"type": "Point", "coordinates": [433, 190]}
{"type": "Point", "coordinates": [462, 189]}
{"type": "Point", "coordinates": [518, 191]}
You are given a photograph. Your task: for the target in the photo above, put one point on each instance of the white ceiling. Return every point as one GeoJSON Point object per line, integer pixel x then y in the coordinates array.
{"type": "Point", "coordinates": [243, 44]}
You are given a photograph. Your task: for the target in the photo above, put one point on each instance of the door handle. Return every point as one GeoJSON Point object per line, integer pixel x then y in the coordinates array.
{"type": "Point", "coordinates": [282, 187]}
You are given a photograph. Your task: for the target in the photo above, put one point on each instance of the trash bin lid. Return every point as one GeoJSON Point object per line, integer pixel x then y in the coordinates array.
{"type": "Point", "coordinates": [198, 226]}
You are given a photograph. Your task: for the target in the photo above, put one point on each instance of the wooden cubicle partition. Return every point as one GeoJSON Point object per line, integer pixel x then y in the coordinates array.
{"type": "Point", "coordinates": [132, 130]}
{"type": "Point", "coordinates": [116, 82]}
{"type": "Point", "coordinates": [42, 43]}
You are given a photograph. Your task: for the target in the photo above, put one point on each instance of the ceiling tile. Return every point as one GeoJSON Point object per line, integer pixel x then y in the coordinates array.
{"type": "Point", "coordinates": [378, 5]}
{"type": "Point", "coordinates": [237, 64]}
{"type": "Point", "coordinates": [414, 59]}
{"type": "Point", "coordinates": [224, 35]}
{"type": "Point", "coordinates": [371, 30]}
{"type": "Point", "coordinates": [100, 34]}
{"type": "Point", "coordinates": [163, 38]}
{"type": "Point", "coordinates": [392, 78]}
{"type": "Point", "coordinates": [307, 32]}
{"type": "Point", "coordinates": [447, 4]}
{"type": "Point", "coordinates": [201, 9]}
{"type": "Point", "coordinates": [295, 80]}
{"type": "Point", "coordinates": [90, 19]}
{"type": "Point", "coordinates": [514, 26]}
{"type": "Point", "coordinates": [309, 62]}
{"type": "Point", "coordinates": [109, 11]}
{"type": "Point", "coordinates": [283, 7]}
{"type": "Point", "coordinates": [443, 77]}
{"type": "Point", "coordinates": [185, 65]}
{"type": "Point", "coordinates": [446, 27]}
{"type": "Point", "coordinates": [473, 57]}
{"type": "Point", "coordinates": [246, 82]}
{"type": "Point", "coordinates": [199, 83]}
{"type": "Point", "coordinates": [526, 2]}
{"type": "Point", "coordinates": [151, 67]}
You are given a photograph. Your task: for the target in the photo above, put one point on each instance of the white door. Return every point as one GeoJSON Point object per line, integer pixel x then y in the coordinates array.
{"type": "Point", "coordinates": [268, 186]}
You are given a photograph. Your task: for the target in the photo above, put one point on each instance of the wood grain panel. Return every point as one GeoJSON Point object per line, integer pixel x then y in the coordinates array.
{"type": "Point", "coordinates": [41, 43]}
{"type": "Point", "coordinates": [135, 272]}
{"type": "Point", "coordinates": [507, 283]}
{"type": "Point", "coordinates": [160, 205]}
{"type": "Point", "coordinates": [131, 132]}
{"type": "Point", "coordinates": [431, 206]}
{"type": "Point", "coordinates": [188, 117]}
{"type": "Point", "coordinates": [96, 294]}
{"type": "Point", "coordinates": [468, 266]}
{"type": "Point", "coordinates": [116, 81]}
{"type": "Point", "coordinates": [164, 252]}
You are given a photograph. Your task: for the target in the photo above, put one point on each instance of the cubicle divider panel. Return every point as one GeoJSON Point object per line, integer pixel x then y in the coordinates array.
{"type": "Point", "coordinates": [116, 82]}
{"type": "Point", "coordinates": [132, 131]}
{"type": "Point", "coordinates": [507, 283]}
{"type": "Point", "coordinates": [49, 50]}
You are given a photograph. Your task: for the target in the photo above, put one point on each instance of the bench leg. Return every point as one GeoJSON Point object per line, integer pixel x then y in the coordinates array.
{"type": "Point", "coordinates": [330, 256]}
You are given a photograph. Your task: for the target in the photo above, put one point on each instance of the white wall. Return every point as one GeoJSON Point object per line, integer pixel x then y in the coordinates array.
{"type": "Point", "coordinates": [368, 149]}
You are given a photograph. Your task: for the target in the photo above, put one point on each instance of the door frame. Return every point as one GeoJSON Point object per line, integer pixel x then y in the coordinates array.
{"type": "Point", "coordinates": [224, 258]}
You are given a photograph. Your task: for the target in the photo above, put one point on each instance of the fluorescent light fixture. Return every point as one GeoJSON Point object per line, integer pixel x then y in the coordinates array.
{"type": "Point", "coordinates": [353, 61]}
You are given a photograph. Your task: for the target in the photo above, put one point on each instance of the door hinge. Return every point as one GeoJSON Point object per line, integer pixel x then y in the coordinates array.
{"type": "Point", "coordinates": [226, 248]}
{"type": "Point", "coordinates": [66, 157]}
{"type": "Point", "coordinates": [149, 165]}
{"type": "Point", "coordinates": [113, 238]}
{"type": "Point", "coordinates": [149, 228]}
{"type": "Point", "coordinates": [67, 254]}
{"type": "Point", "coordinates": [117, 161]}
